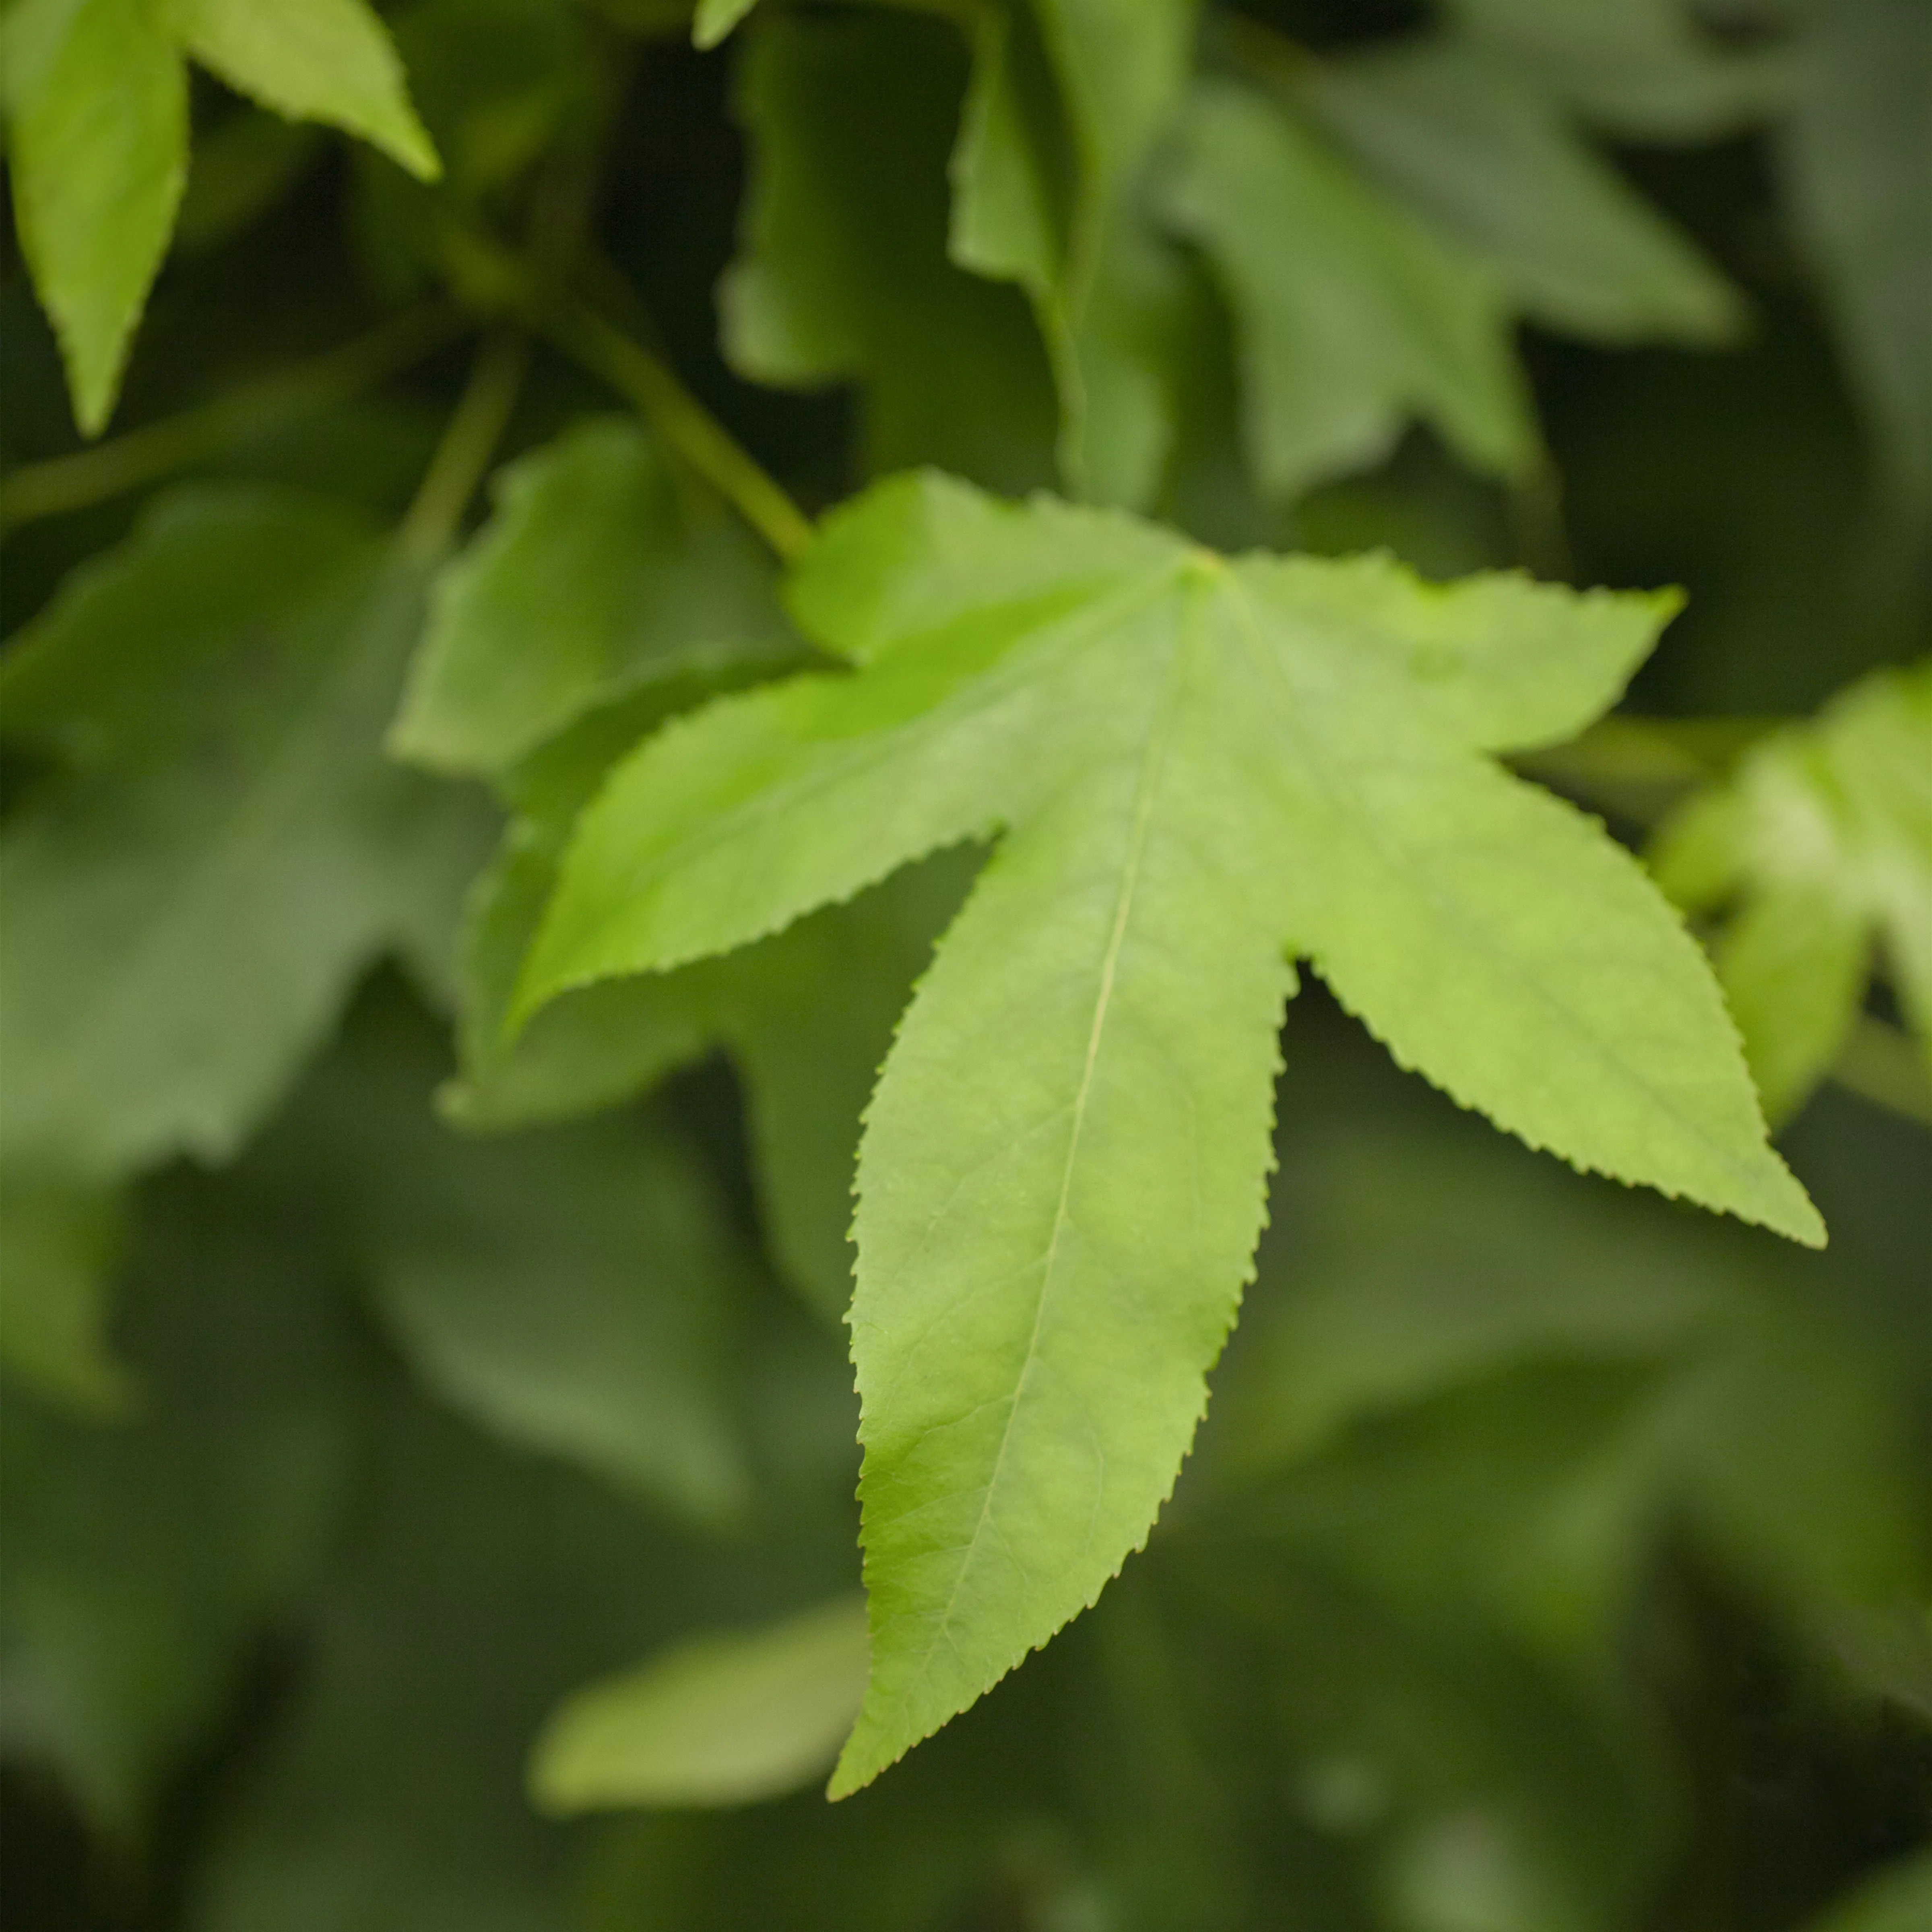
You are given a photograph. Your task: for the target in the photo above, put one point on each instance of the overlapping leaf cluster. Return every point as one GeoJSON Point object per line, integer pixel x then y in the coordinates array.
{"type": "Point", "coordinates": [451, 990]}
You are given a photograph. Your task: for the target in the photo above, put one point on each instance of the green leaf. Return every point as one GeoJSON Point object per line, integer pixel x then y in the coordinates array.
{"type": "Point", "coordinates": [60, 1246]}
{"type": "Point", "coordinates": [715, 19]}
{"type": "Point", "coordinates": [228, 849]}
{"type": "Point", "coordinates": [1351, 317]}
{"type": "Point", "coordinates": [1203, 769]}
{"type": "Point", "coordinates": [568, 1291]}
{"type": "Point", "coordinates": [1485, 156]}
{"type": "Point", "coordinates": [843, 275]}
{"type": "Point", "coordinates": [599, 571]}
{"type": "Point", "coordinates": [1823, 840]}
{"type": "Point", "coordinates": [311, 60]}
{"type": "Point", "coordinates": [1859, 147]}
{"type": "Point", "coordinates": [98, 145]}
{"type": "Point", "coordinates": [1644, 68]}
{"type": "Point", "coordinates": [1064, 103]}
{"type": "Point", "coordinates": [143, 1561]}
{"type": "Point", "coordinates": [721, 1719]}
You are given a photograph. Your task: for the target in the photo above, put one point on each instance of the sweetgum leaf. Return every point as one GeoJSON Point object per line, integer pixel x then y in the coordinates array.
{"type": "Point", "coordinates": [229, 848]}
{"type": "Point", "coordinates": [843, 275]}
{"type": "Point", "coordinates": [1822, 842]}
{"type": "Point", "coordinates": [1350, 316]}
{"type": "Point", "coordinates": [1486, 157]}
{"type": "Point", "coordinates": [311, 60]}
{"type": "Point", "coordinates": [1203, 769]}
{"type": "Point", "coordinates": [97, 145]}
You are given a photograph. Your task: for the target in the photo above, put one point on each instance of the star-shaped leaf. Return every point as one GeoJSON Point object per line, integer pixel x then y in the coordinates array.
{"type": "Point", "coordinates": [1823, 843]}
{"type": "Point", "coordinates": [1199, 770]}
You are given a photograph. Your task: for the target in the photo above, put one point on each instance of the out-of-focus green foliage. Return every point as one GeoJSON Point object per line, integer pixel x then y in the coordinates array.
{"type": "Point", "coordinates": [431, 1105]}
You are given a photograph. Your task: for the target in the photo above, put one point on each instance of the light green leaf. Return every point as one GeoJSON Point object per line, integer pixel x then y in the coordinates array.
{"type": "Point", "coordinates": [1350, 316]}
{"type": "Point", "coordinates": [1824, 838]}
{"type": "Point", "coordinates": [599, 572]}
{"type": "Point", "coordinates": [1859, 147]}
{"type": "Point", "coordinates": [843, 275]}
{"type": "Point", "coordinates": [1485, 156]}
{"type": "Point", "coordinates": [97, 98]}
{"type": "Point", "coordinates": [724, 1720]}
{"type": "Point", "coordinates": [1203, 770]}
{"type": "Point", "coordinates": [188, 905]}
{"type": "Point", "coordinates": [311, 60]}
{"type": "Point", "coordinates": [1644, 68]}
{"type": "Point", "coordinates": [715, 19]}
{"type": "Point", "coordinates": [59, 1244]}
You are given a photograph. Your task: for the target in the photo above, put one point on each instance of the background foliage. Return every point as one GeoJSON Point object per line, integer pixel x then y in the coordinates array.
{"type": "Point", "coordinates": [429, 1455]}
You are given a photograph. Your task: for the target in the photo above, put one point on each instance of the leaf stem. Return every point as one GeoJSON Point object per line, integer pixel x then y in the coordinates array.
{"type": "Point", "coordinates": [492, 276]}
{"type": "Point", "coordinates": [158, 449]}
{"type": "Point", "coordinates": [475, 429]}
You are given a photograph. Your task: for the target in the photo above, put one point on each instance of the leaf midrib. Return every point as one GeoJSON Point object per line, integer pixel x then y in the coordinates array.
{"type": "Point", "coordinates": [1153, 756]}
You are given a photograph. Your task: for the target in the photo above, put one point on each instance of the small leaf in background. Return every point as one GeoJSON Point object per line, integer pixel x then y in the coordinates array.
{"type": "Point", "coordinates": [58, 1246]}
{"type": "Point", "coordinates": [600, 570]}
{"type": "Point", "coordinates": [1059, 1186]}
{"type": "Point", "coordinates": [1859, 148]}
{"type": "Point", "coordinates": [1647, 69]}
{"type": "Point", "coordinates": [843, 275]}
{"type": "Point", "coordinates": [715, 1720]}
{"type": "Point", "coordinates": [189, 903]}
{"type": "Point", "coordinates": [1823, 844]}
{"type": "Point", "coordinates": [1350, 316]}
{"type": "Point", "coordinates": [570, 1290]}
{"type": "Point", "coordinates": [1486, 158]}
{"type": "Point", "coordinates": [97, 145]}
{"type": "Point", "coordinates": [311, 60]}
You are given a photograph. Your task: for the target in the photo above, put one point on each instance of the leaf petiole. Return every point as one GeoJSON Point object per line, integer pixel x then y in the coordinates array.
{"type": "Point", "coordinates": [158, 449]}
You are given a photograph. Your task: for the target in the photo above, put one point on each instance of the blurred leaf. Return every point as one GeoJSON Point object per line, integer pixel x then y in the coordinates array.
{"type": "Point", "coordinates": [1823, 839]}
{"type": "Point", "coordinates": [719, 1720]}
{"type": "Point", "coordinates": [60, 1247]}
{"type": "Point", "coordinates": [1644, 68]}
{"type": "Point", "coordinates": [98, 143]}
{"type": "Point", "coordinates": [569, 1290]}
{"type": "Point", "coordinates": [842, 273]}
{"type": "Point", "coordinates": [189, 904]}
{"type": "Point", "coordinates": [1350, 316]}
{"type": "Point", "coordinates": [1093, 1048]}
{"type": "Point", "coordinates": [1063, 100]}
{"type": "Point", "coordinates": [1480, 152]}
{"type": "Point", "coordinates": [143, 1561]}
{"type": "Point", "coordinates": [311, 60]}
{"type": "Point", "coordinates": [716, 18]}
{"type": "Point", "coordinates": [599, 572]}
{"type": "Point", "coordinates": [1859, 151]}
